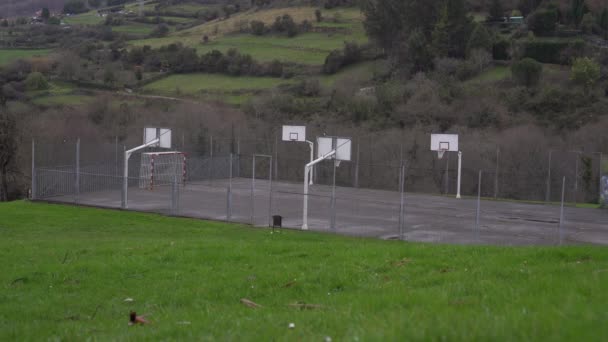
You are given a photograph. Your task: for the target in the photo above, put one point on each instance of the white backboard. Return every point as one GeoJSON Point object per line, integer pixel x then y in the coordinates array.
{"type": "Point", "coordinates": [444, 142]}
{"type": "Point", "coordinates": [152, 133]}
{"type": "Point", "coordinates": [294, 133]}
{"type": "Point", "coordinates": [343, 147]}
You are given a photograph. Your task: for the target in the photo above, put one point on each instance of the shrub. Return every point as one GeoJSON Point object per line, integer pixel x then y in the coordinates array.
{"type": "Point", "coordinates": [36, 81]}
{"type": "Point", "coordinates": [74, 7]}
{"type": "Point", "coordinates": [480, 39]}
{"type": "Point", "coordinates": [527, 72]}
{"type": "Point", "coordinates": [500, 50]}
{"type": "Point", "coordinates": [543, 21]}
{"type": "Point", "coordinates": [585, 72]}
{"type": "Point", "coordinates": [258, 27]}
{"type": "Point", "coordinates": [333, 62]}
{"type": "Point", "coordinates": [160, 30]}
{"type": "Point", "coordinates": [548, 50]}
{"type": "Point", "coordinates": [318, 15]}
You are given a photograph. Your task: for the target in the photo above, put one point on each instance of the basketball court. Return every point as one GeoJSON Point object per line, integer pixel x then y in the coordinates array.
{"type": "Point", "coordinates": [368, 213]}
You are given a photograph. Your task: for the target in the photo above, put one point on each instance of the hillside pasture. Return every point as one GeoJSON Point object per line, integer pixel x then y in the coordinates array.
{"type": "Point", "coordinates": [214, 87]}
{"type": "Point", "coordinates": [10, 55]}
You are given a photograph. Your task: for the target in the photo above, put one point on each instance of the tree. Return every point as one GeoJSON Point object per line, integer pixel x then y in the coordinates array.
{"type": "Point", "coordinates": [108, 76]}
{"type": "Point", "coordinates": [459, 27]}
{"type": "Point", "coordinates": [8, 149]}
{"type": "Point", "coordinates": [585, 72]}
{"type": "Point", "coordinates": [36, 81]}
{"type": "Point", "coordinates": [258, 28]}
{"type": "Point", "coordinates": [419, 55]}
{"type": "Point", "coordinates": [577, 11]}
{"type": "Point", "coordinates": [441, 36]}
{"type": "Point", "coordinates": [527, 72]}
{"type": "Point", "coordinates": [480, 39]}
{"type": "Point", "coordinates": [318, 15]}
{"type": "Point", "coordinates": [74, 7]}
{"type": "Point", "coordinates": [603, 22]}
{"type": "Point", "coordinates": [160, 30]}
{"type": "Point", "coordinates": [46, 14]}
{"type": "Point", "coordinates": [543, 21]}
{"type": "Point", "coordinates": [386, 19]}
{"type": "Point", "coordinates": [138, 73]}
{"type": "Point", "coordinates": [496, 10]}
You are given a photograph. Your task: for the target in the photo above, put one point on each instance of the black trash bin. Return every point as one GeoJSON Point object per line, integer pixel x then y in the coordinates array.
{"type": "Point", "coordinates": [277, 221]}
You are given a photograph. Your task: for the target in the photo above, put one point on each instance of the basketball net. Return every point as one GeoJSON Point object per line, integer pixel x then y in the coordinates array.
{"type": "Point", "coordinates": [440, 153]}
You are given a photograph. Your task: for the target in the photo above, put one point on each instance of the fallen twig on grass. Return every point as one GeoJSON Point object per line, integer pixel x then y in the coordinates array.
{"type": "Point", "coordinates": [250, 304]}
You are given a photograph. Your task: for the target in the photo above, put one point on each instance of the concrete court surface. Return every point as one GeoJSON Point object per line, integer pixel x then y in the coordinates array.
{"type": "Point", "coordinates": [369, 213]}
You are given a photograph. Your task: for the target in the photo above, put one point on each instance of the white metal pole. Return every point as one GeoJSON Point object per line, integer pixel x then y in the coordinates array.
{"type": "Point", "coordinates": [459, 174]}
{"type": "Point", "coordinates": [307, 169]}
{"type": "Point", "coordinates": [125, 175]}
{"type": "Point", "coordinates": [312, 158]}
{"type": "Point", "coordinates": [305, 205]}
{"type": "Point", "coordinates": [125, 180]}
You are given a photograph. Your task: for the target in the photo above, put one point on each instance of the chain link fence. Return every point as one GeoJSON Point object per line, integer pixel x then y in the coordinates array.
{"type": "Point", "coordinates": [388, 194]}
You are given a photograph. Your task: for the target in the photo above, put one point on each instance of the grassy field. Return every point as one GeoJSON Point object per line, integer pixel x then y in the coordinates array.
{"type": "Point", "coordinates": [10, 55]}
{"type": "Point", "coordinates": [309, 48]}
{"type": "Point", "coordinates": [67, 274]}
{"type": "Point", "coordinates": [212, 84]}
{"type": "Point", "coordinates": [88, 18]}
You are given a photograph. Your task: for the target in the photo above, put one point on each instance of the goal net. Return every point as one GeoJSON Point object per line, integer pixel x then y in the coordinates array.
{"type": "Point", "coordinates": [161, 168]}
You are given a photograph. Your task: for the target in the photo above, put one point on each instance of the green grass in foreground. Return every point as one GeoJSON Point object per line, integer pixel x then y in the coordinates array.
{"type": "Point", "coordinates": [67, 271]}
{"type": "Point", "coordinates": [9, 55]}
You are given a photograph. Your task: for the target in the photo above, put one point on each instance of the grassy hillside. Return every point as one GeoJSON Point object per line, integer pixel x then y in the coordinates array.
{"type": "Point", "coordinates": [76, 273]}
{"type": "Point", "coordinates": [308, 48]}
{"type": "Point", "coordinates": [10, 55]}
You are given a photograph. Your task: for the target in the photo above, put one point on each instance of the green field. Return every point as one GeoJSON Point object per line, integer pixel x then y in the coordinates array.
{"type": "Point", "coordinates": [197, 84]}
{"type": "Point", "coordinates": [308, 48]}
{"type": "Point", "coordinates": [89, 18]}
{"type": "Point", "coordinates": [10, 55]}
{"type": "Point", "coordinates": [134, 28]}
{"type": "Point", "coordinates": [493, 74]}
{"type": "Point", "coordinates": [67, 274]}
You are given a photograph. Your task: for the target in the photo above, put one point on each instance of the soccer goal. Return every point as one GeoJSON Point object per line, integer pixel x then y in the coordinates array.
{"type": "Point", "coordinates": [162, 168]}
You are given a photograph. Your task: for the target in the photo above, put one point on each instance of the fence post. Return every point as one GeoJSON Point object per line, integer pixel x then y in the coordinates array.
{"type": "Point", "coordinates": [447, 174]}
{"type": "Point", "coordinates": [276, 158]}
{"type": "Point", "coordinates": [548, 193]}
{"type": "Point", "coordinates": [77, 172]}
{"type": "Point", "coordinates": [561, 212]}
{"type": "Point", "coordinates": [125, 178]}
{"type": "Point", "coordinates": [34, 180]}
{"type": "Point", "coordinates": [238, 156]}
{"type": "Point", "coordinates": [356, 185]}
{"type": "Point", "coordinates": [402, 202]}
{"type": "Point", "coordinates": [210, 158]}
{"type": "Point", "coordinates": [253, 193]}
{"type": "Point", "coordinates": [270, 194]}
{"type": "Point", "coordinates": [576, 178]}
{"type": "Point", "coordinates": [496, 172]}
{"type": "Point", "coordinates": [174, 196]}
{"type": "Point", "coordinates": [333, 199]}
{"type": "Point", "coordinates": [229, 192]}
{"type": "Point", "coordinates": [599, 191]}
{"type": "Point", "coordinates": [478, 208]}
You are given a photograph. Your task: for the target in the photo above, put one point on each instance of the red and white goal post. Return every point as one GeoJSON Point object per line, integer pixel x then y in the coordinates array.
{"type": "Point", "coordinates": [162, 168]}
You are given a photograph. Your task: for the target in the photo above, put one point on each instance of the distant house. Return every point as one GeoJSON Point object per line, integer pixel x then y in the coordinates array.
{"type": "Point", "coordinates": [513, 20]}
